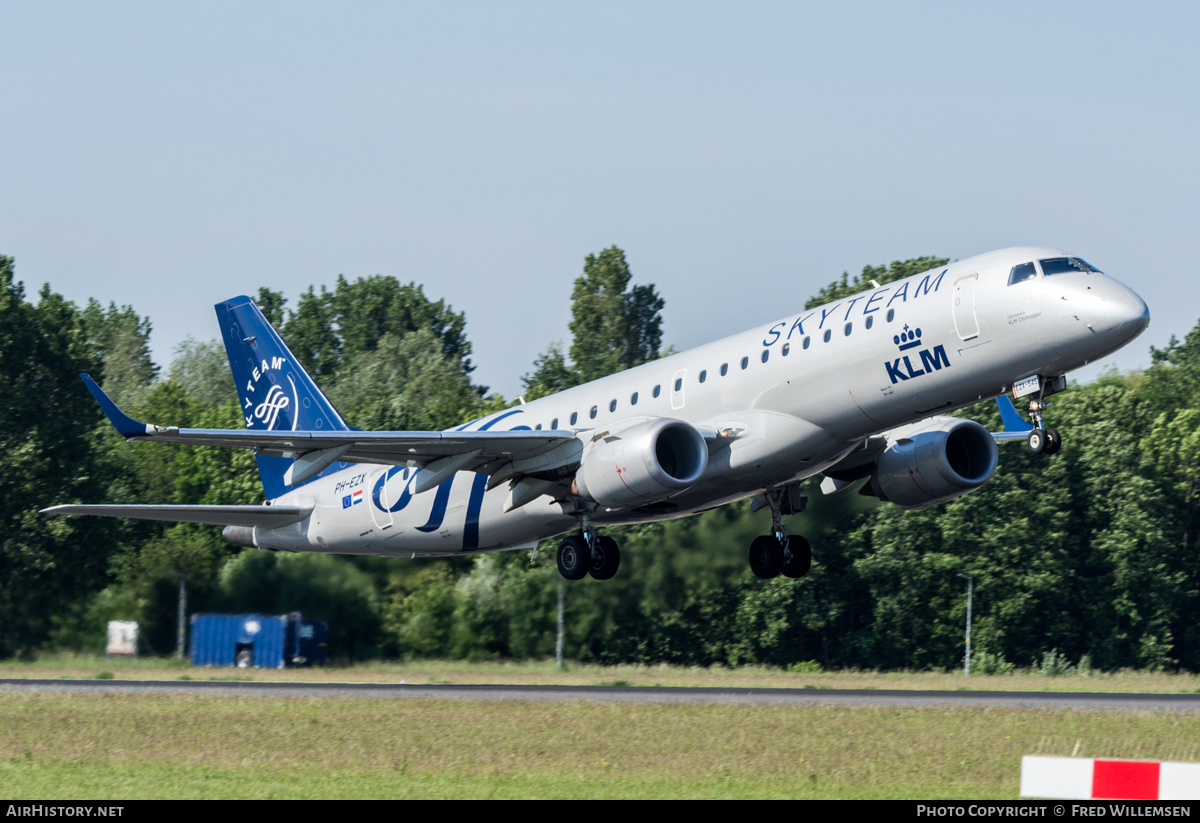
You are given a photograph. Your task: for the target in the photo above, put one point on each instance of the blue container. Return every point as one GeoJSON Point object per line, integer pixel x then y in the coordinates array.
{"type": "Point", "coordinates": [238, 640]}
{"type": "Point", "coordinates": [305, 642]}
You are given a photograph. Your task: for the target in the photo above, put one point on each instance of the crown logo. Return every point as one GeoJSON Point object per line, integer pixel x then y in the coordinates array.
{"type": "Point", "coordinates": [907, 339]}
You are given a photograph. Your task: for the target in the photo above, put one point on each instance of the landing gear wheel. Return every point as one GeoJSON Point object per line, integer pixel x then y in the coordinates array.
{"type": "Point", "coordinates": [766, 557]}
{"type": "Point", "coordinates": [797, 557]}
{"type": "Point", "coordinates": [1036, 442]}
{"type": "Point", "coordinates": [606, 557]}
{"type": "Point", "coordinates": [574, 557]}
{"type": "Point", "coordinates": [1053, 441]}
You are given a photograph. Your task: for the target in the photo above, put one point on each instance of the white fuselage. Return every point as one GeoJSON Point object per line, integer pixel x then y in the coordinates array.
{"type": "Point", "coordinates": [795, 395]}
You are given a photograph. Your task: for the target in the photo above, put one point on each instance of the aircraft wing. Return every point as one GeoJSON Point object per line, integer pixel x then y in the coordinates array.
{"type": "Point", "coordinates": [442, 452]}
{"type": "Point", "coordinates": [267, 516]}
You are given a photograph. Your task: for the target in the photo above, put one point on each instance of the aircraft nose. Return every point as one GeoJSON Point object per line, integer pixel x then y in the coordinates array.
{"type": "Point", "coordinates": [1120, 312]}
{"type": "Point", "coordinates": [1127, 311]}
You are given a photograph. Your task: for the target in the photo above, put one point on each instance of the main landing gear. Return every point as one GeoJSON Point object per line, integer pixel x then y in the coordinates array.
{"type": "Point", "coordinates": [1041, 440]}
{"type": "Point", "coordinates": [774, 554]}
{"type": "Point", "coordinates": [771, 557]}
{"type": "Point", "coordinates": [588, 553]}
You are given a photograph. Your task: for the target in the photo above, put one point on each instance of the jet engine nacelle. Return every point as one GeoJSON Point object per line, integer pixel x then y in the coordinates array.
{"type": "Point", "coordinates": [934, 461]}
{"type": "Point", "coordinates": [642, 464]}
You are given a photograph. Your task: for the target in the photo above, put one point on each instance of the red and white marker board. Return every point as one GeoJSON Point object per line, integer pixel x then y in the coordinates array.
{"type": "Point", "coordinates": [1082, 778]}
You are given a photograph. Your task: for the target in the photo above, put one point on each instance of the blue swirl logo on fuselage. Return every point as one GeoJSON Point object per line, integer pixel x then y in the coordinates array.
{"type": "Point", "coordinates": [442, 499]}
{"type": "Point", "coordinates": [405, 496]}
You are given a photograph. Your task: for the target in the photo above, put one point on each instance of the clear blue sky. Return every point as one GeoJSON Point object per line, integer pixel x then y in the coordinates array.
{"type": "Point", "coordinates": [171, 155]}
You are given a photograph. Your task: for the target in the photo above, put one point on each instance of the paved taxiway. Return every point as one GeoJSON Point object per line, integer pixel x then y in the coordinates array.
{"type": "Point", "coordinates": [635, 694]}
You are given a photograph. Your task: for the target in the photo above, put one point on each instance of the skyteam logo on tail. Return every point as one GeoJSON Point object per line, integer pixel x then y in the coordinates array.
{"type": "Point", "coordinates": [275, 392]}
{"type": "Point", "coordinates": [931, 360]}
{"type": "Point", "coordinates": [268, 410]}
{"type": "Point", "coordinates": [277, 406]}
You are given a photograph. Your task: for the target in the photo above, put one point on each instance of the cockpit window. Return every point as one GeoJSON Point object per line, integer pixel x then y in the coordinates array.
{"type": "Point", "coordinates": [1064, 265]}
{"type": "Point", "coordinates": [1022, 272]}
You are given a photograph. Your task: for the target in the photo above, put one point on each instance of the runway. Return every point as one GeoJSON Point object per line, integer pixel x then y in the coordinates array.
{"type": "Point", "coordinates": [1113, 701]}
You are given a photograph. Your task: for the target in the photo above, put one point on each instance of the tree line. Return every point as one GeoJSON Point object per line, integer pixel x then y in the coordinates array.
{"type": "Point", "coordinates": [1090, 554]}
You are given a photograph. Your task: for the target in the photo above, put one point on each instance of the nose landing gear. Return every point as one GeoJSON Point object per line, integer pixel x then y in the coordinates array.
{"type": "Point", "coordinates": [1041, 440]}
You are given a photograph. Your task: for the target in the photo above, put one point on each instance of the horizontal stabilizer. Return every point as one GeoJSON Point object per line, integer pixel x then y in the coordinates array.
{"type": "Point", "coordinates": [414, 448]}
{"type": "Point", "coordinates": [1015, 426]}
{"type": "Point", "coordinates": [124, 424]}
{"type": "Point", "coordinates": [269, 517]}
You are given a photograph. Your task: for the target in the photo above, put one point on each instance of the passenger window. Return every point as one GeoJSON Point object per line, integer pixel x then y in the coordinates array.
{"type": "Point", "coordinates": [766, 353]}
{"type": "Point", "coordinates": [849, 328]}
{"type": "Point", "coordinates": [538, 427]}
{"type": "Point", "coordinates": [828, 334]}
{"type": "Point", "coordinates": [1025, 271]}
{"type": "Point", "coordinates": [554, 423]}
{"type": "Point", "coordinates": [678, 383]}
{"type": "Point", "coordinates": [891, 315]}
{"type": "Point", "coordinates": [657, 391]}
{"type": "Point", "coordinates": [745, 362]}
{"type": "Point", "coordinates": [787, 347]}
{"type": "Point", "coordinates": [612, 407]}
{"type": "Point", "coordinates": [724, 369]}
{"type": "Point", "coordinates": [633, 399]}
{"type": "Point", "coordinates": [592, 413]}
{"type": "Point", "coordinates": [807, 340]}
{"type": "Point", "coordinates": [574, 417]}
{"type": "Point", "coordinates": [870, 321]}
{"type": "Point", "coordinates": [703, 375]}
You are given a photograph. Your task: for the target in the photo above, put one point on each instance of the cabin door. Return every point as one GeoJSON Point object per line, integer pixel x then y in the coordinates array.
{"type": "Point", "coordinates": [965, 321]}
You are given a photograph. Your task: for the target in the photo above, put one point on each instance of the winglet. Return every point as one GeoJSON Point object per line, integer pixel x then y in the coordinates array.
{"type": "Point", "coordinates": [123, 423]}
{"type": "Point", "coordinates": [1013, 422]}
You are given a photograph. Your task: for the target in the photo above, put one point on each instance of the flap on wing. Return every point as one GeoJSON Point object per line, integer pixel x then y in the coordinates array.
{"type": "Point", "coordinates": [267, 516]}
{"type": "Point", "coordinates": [857, 464]}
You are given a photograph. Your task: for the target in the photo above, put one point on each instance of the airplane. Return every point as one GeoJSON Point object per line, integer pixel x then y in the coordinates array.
{"type": "Point", "coordinates": [857, 388]}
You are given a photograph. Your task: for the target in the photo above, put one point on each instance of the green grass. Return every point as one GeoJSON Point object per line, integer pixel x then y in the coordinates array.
{"type": "Point", "coordinates": [544, 672]}
{"type": "Point", "coordinates": [114, 746]}
{"type": "Point", "coordinates": [97, 746]}
{"type": "Point", "coordinates": [99, 781]}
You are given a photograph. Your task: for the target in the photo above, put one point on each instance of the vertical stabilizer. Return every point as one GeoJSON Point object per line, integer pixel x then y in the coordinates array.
{"type": "Point", "coordinates": [274, 391]}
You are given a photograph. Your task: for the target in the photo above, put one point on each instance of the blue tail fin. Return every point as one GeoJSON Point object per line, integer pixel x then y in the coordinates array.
{"type": "Point", "coordinates": [275, 392]}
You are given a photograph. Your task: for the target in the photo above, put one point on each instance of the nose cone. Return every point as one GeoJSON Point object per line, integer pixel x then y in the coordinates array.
{"type": "Point", "coordinates": [1099, 315]}
{"type": "Point", "coordinates": [1125, 313]}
